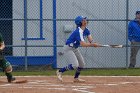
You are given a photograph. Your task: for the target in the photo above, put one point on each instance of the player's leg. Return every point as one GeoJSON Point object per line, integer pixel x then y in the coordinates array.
{"type": "Point", "coordinates": [80, 67]}
{"type": "Point", "coordinates": [71, 58]}
{"type": "Point", "coordinates": [73, 64]}
{"type": "Point", "coordinates": [69, 54]}
{"type": "Point", "coordinates": [134, 51]}
{"type": "Point", "coordinates": [8, 70]}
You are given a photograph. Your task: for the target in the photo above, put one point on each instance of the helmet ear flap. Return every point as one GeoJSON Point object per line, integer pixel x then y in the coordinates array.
{"type": "Point", "coordinates": [79, 24]}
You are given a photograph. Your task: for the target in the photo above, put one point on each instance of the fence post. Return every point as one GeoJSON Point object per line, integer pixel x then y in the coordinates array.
{"type": "Point", "coordinates": [127, 15]}
{"type": "Point", "coordinates": [54, 35]}
{"type": "Point", "coordinates": [25, 33]}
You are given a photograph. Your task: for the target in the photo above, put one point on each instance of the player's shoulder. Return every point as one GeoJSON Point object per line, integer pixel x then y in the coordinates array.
{"type": "Point", "coordinates": [87, 30]}
{"type": "Point", "coordinates": [76, 30]}
{"type": "Point", "coordinates": [132, 22]}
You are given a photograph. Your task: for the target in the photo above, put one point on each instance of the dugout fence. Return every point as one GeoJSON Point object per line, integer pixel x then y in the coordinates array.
{"type": "Point", "coordinates": [36, 30]}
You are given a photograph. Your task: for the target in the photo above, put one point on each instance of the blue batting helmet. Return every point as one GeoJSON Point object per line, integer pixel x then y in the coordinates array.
{"type": "Point", "coordinates": [78, 20]}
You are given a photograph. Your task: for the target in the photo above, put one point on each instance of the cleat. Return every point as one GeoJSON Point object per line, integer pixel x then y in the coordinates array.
{"type": "Point", "coordinates": [131, 66]}
{"type": "Point", "coordinates": [77, 80]}
{"type": "Point", "coordinates": [59, 75]}
{"type": "Point", "coordinates": [11, 79]}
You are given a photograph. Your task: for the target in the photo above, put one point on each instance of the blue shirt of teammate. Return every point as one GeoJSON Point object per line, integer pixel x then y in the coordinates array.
{"type": "Point", "coordinates": [134, 31]}
{"type": "Point", "coordinates": [77, 36]}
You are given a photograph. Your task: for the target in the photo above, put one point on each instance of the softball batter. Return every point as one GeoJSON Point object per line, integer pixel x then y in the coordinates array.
{"type": "Point", "coordinates": [71, 51]}
{"type": "Point", "coordinates": [4, 64]}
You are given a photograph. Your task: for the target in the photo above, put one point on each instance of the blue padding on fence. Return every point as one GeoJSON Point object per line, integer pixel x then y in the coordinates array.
{"type": "Point", "coordinates": [37, 60]}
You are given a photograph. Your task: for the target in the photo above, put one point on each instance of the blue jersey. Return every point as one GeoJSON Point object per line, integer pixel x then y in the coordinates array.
{"type": "Point", "coordinates": [77, 36]}
{"type": "Point", "coordinates": [134, 31]}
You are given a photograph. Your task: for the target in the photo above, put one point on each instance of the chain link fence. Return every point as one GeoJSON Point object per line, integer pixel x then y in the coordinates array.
{"type": "Point", "coordinates": [35, 31]}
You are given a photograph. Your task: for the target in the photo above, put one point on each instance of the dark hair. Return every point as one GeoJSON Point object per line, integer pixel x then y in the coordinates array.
{"type": "Point", "coordinates": [137, 12]}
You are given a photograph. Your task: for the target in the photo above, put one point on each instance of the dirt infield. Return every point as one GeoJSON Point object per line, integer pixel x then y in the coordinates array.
{"type": "Point", "coordinates": [93, 84]}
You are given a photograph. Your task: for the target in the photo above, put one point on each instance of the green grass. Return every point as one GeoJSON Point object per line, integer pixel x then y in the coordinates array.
{"type": "Point", "coordinates": [85, 72]}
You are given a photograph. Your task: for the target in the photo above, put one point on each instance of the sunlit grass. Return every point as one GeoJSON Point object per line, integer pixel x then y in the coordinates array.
{"type": "Point", "coordinates": [85, 72]}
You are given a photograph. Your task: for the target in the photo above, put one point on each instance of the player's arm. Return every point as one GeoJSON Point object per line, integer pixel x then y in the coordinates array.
{"type": "Point", "coordinates": [90, 39]}
{"type": "Point", "coordinates": [84, 44]}
{"type": "Point", "coordinates": [2, 45]}
{"type": "Point", "coordinates": [130, 31]}
{"type": "Point", "coordinates": [91, 44]}
{"type": "Point", "coordinates": [87, 44]}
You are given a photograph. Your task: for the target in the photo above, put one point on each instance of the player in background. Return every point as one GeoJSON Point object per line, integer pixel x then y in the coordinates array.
{"type": "Point", "coordinates": [134, 38]}
{"type": "Point", "coordinates": [4, 64]}
{"type": "Point", "coordinates": [76, 39]}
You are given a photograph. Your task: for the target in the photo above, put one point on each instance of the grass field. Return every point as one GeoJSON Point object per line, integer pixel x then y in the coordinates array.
{"type": "Point", "coordinates": [85, 72]}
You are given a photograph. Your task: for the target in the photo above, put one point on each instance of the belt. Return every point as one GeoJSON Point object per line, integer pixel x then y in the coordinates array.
{"type": "Point", "coordinates": [71, 45]}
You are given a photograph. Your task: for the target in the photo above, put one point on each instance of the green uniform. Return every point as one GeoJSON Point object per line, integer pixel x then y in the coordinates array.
{"type": "Point", "coordinates": [3, 62]}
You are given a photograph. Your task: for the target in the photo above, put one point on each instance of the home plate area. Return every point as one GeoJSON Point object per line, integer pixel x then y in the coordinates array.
{"type": "Point", "coordinates": [93, 84]}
